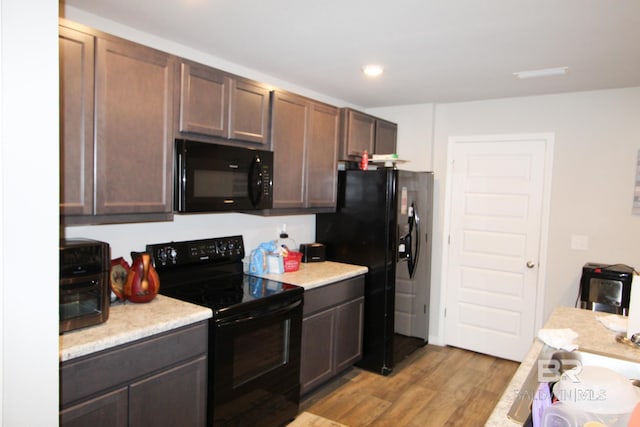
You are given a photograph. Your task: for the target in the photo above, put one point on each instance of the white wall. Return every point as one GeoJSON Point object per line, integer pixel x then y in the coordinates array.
{"type": "Point", "coordinates": [415, 133]}
{"type": "Point", "coordinates": [125, 238]}
{"type": "Point", "coordinates": [597, 138]}
{"type": "Point", "coordinates": [29, 213]}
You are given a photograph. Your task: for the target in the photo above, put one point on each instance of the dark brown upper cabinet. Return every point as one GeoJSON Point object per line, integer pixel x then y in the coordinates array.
{"type": "Point", "coordinates": [76, 121]}
{"type": "Point", "coordinates": [249, 111]}
{"type": "Point", "coordinates": [361, 131]}
{"type": "Point", "coordinates": [305, 145]}
{"type": "Point", "coordinates": [289, 134]}
{"type": "Point", "coordinates": [386, 137]}
{"type": "Point", "coordinates": [134, 103]}
{"type": "Point", "coordinates": [116, 167]}
{"type": "Point", "coordinates": [322, 156]}
{"type": "Point", "coordinates": [214, 103]}
{"type": "Point", "coordinates": [204, 97]}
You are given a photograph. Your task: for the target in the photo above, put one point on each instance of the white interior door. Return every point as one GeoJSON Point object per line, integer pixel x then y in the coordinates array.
{"type": "Point", "coordinates": [497, 194]}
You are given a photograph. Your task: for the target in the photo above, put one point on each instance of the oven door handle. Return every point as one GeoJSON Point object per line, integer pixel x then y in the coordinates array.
{"type": "Point", "coordinates": [73, 286]}
{"type": "Point", "coordinates": [261, 315]}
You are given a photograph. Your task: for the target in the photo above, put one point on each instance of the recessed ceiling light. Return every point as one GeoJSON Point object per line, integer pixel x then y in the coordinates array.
{"type": "Point", "coordinates": [372, 70]}
{"type": "Point", "coordinates": [546, 72]}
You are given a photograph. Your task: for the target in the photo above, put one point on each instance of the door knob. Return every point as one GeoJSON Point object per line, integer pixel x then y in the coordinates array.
{"type": "Point", "coordinates": [530, 264]}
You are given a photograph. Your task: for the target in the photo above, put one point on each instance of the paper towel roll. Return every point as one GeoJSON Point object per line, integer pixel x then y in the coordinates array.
{"type": "Point", "coordinates": [634, 307]}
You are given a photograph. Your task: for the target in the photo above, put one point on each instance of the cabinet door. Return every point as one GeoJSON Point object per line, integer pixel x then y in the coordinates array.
{"type": "Point", "coordinates": [134, 100]}
{"type": "Point", "coordinates": [386, 134]}
{"type": "Point", "coordinates": [249, 112]}
{"type": "Point", "coordinates": [288, 133]}
{"type": "Point", "coordinates": [204, 94]}
{"type": "Point", "coordinates": [107, 410]}
{"type": "Point", "coordinates": [349, 323]}
{"type": "Point", "coordinates": [176, 397]}
{"type": "Point", "coordinates": [322, 155]}
{"type": "Point", "coordinates": [316, 364]}
{"type": "Point", "coordinates": [76, 122]}
{"type": "Point", "coordinates": [359, 133]}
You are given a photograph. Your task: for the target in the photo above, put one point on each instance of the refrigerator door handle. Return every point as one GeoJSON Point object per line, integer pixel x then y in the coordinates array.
{"type": "Point", "coordinates": [414, 253]}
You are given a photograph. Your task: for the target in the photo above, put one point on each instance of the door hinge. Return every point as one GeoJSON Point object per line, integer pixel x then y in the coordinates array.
{"type": "Point", "coordinates": [424, 307]}
{"type": "Point", "coordinates": [445, 312]}
{"type": "Point", "coordinates": [449, 239]}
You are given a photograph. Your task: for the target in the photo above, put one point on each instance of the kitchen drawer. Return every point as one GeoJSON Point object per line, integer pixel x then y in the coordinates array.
{"type": "Point", "coordinates": [327, 296]}
{"type": "Point", "coordinates": [87, 376]}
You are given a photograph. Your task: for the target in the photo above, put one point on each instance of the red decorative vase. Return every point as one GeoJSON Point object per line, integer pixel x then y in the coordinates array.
{"type": "Point", "coordinates": [143, 282]}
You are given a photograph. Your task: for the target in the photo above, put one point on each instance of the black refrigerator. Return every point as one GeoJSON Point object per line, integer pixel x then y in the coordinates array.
{"type": "Point", "coordinates": [383, 220]}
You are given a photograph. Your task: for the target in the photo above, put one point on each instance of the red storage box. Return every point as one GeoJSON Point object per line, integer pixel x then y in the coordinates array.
{"type": "Point", "coordinates": [292, 261]}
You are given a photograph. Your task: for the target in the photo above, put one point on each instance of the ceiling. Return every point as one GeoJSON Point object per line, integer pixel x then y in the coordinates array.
{"type": "Point", "coordinates": [432, 51]}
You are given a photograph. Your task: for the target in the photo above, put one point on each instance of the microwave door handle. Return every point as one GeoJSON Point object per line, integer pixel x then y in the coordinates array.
{"type": "Point", "coordinates": [180, 183]}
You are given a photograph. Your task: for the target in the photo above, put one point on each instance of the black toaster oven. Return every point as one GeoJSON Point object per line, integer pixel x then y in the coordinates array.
{"type": "Point", "coordinates": [606, 287]}
{"type": "Point", "coordinates": [84, 283]}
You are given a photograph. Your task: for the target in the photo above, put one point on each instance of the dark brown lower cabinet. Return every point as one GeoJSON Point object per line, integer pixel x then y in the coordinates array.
{"type": "Point", "coordinates": [317, 362]}
{"type": "Point", "coordinates": [331, 331]}
{"type": "Point", "coordinates": [107, 410]}
{"type": "Point", "coordinates": [348, 338]}
{"type": "Point", "coordinates": [171, 398]}
{"type": "Point", "coordinates": [157, 381]}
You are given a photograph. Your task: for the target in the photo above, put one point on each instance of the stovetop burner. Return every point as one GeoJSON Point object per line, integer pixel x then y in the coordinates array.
{"type": "Point", "coordinates": [209, 272]}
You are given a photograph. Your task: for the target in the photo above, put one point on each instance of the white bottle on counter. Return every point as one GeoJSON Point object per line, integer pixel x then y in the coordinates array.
{"type": "Point", "coordinates": [284, 241]}
{"type": "Point", "coordinates": [633, 325]}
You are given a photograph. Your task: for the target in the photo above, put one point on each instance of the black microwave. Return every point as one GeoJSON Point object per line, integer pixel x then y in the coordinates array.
{"type": "Point", "coordinates": [213, 177]}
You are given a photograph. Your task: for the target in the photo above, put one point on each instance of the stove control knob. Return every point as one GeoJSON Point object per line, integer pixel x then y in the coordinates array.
{"type": "Point", "coordinates": [172, 255]}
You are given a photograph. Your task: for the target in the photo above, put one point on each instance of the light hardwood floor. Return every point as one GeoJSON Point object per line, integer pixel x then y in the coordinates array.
{"type": "Point", "coordinates": [435, 386]}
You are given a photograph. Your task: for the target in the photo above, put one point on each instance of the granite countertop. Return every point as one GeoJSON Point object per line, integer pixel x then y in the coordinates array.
{"type": "Point", "coordinates": [129, 322]}
{"type": "Point", "coordinates": [314, 274]}
{"type": "Point", "coordinates": [592, 337]}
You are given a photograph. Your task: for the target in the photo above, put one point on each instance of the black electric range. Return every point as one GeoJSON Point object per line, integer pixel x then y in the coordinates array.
{"type": "Point", "coordinates": [254, 335]}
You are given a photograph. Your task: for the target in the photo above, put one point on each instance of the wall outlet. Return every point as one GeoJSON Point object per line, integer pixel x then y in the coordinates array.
{"type": "Point", "coordinates": [579, 242]}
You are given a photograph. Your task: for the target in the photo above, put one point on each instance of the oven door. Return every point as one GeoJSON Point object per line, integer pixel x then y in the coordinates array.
{"type": "Point", "coordinates": [255, 362]}
{"type": "Point", "coordinates": [214, 178]}
{"type": "Point", "coordinates": [83, 302]}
